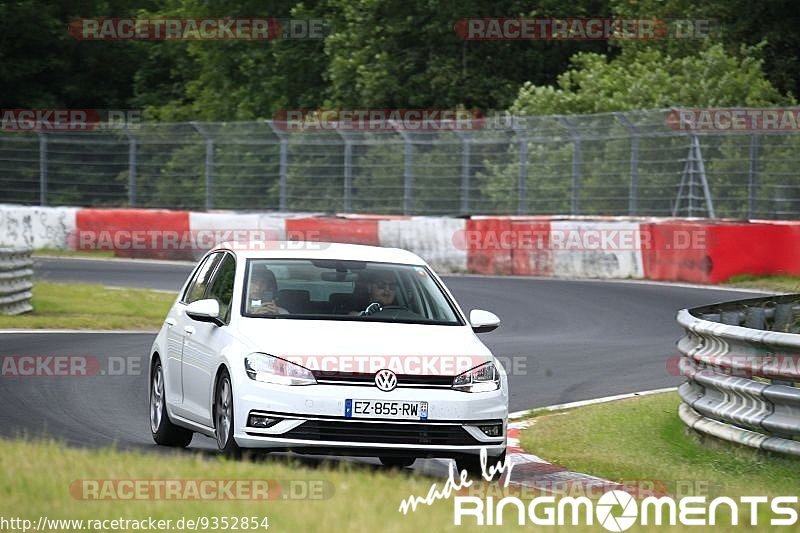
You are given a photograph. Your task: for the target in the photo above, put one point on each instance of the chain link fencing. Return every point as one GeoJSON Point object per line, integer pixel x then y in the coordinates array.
{"type": "Point", "coordinates": [631, 163]}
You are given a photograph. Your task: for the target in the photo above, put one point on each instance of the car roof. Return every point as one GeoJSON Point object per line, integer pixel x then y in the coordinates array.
{"type": "Point", "coordinates": [319, 250]}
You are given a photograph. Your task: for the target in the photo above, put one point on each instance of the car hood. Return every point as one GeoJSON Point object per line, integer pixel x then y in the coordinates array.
{"type": "Point", "coordinates": [349, 346]}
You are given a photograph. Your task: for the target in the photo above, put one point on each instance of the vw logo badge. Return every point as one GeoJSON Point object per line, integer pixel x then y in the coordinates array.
{"type": "Point", "coordinates": [385, 380]}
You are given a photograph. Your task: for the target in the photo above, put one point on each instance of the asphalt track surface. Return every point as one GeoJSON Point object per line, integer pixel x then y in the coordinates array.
{"type": "Point", "coordinates": [565, 341]}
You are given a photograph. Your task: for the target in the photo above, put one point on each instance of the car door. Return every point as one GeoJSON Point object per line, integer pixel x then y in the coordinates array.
{"type": "Point", "coordinates": [176, 331]}
{"type": "Point", "coordinates": [203, 343]}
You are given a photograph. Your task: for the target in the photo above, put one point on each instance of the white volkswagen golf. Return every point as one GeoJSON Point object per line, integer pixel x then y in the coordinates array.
{"type": "Point", "coordinates": [327, 349]}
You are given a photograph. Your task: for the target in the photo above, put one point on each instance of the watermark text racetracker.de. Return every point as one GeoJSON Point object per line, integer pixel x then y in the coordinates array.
{"type": "Point", "coordinates": [378, 120]}
{"type": "Point", "coordinates": [201, 489]}
{"type": "Point", "coordinates": [66, 120]}
{"type": "Point", "coordinates": [194, 240]}
{"type": "Point", "coordinates": [583, 29]}
{"type": "Point", "coordinates": [579, 239]}
{"type": "Point", "coordinates": [55, 366]}
{"type": "Point", "coordinates": [196, 523]}
{"type": "Point", "coordinates": [196, 29]}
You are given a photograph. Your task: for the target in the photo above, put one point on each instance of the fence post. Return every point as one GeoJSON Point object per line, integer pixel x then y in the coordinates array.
{"type": "Point", "coordinates": [131, 165]}
{"type": "Point", "coordinates": [522, 178]}
{"type": "Point", "coordinates": [752, 177]}
{"type": "Point", "coordinates": [347, 193]}
{"type": "Point", "coordinates": [633, 192]}
{"type": "Point", "coordinates": [209, 165]}
{"type": "Point", "coordinates": [466, 154]}
{"type": "Point", "coordinates": [42, 169]}
{"type": "Point", "coordinates": [575, 206]}
{"type": "Point", "coordinates": [283, 166]}
{"type": "Point", "coordinates": [408, 170]}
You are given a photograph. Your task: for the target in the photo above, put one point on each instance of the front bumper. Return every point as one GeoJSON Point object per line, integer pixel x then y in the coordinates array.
{"type": "Point", "coordinates": [312, 421]}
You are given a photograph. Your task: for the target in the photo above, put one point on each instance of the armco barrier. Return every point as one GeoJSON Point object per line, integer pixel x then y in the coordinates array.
{"type": "Point", "coordinates": [16, 273]}
{"type": "Point", "coordinates": [741, 363]}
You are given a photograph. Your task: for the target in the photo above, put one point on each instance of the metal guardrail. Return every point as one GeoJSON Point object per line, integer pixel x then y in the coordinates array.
{"type": "Point", "coordinates": [741, 360]}
{"type": "Point", "coordinates": [16, 274]}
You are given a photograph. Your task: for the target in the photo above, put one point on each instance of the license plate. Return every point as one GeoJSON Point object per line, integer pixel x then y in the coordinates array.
{"type": "Point", "coordinates": [393, 410]}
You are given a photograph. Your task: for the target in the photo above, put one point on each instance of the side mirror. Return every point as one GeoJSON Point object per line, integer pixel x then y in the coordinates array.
{"type": "Point", "coordinates": [483, 321]}
{"type": "Point", "coordinates": [204, 311]}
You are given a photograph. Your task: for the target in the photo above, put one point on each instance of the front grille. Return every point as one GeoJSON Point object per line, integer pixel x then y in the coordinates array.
{"type": "Point", "coordinates": [368, 379]}
{"type": "Point", "coordinates": [384, 433]}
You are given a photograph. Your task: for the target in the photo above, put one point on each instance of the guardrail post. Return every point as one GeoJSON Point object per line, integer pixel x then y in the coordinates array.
{"type": "Point", "coordinates": [575, 206]}
{"type": "Point", "coordinates": [209, 165]}
{"type": "Point", "coordinates": [752, 177]}
{"type": "Point", "coordinates": [132, 143]}
{"type": "Point", "coordinates": [42, 168]}
{"type": "Point", "coordinates": [633, 192]}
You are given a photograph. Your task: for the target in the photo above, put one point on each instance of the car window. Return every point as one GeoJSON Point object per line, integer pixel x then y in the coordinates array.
{"type": "Point", "coordinates": [197, 287]}
{"type": "Point", "coordinates": [332, 289]}
{"type": "Point", "coordinates": [221, 287]}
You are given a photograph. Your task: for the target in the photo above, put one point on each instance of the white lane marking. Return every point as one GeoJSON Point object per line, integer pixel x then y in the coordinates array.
{"type": "Point", "coordinates": [115, 260]}
{"type": "Point", "coordinates": [572, 405]}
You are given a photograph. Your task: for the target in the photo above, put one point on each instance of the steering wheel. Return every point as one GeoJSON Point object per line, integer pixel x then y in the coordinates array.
{"type": "Point", "coordinates": [375, 307]}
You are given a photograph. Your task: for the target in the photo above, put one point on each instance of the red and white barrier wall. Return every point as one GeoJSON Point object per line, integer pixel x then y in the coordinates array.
{"type": "Point", "coordinates": [695, 250]}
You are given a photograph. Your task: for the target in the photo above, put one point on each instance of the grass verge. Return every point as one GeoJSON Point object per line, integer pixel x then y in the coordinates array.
{"type": "Point", "coordinates": [784, 284]}
{"type": "Point", "coordinates": [39, 479]}
{"type": "Point", "coordinates": [86, 306]}
{"type": "Point", "coordinates": [643, 439]}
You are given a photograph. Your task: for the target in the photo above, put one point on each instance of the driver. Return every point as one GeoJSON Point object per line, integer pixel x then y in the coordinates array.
{"type": "Point", "coordinates": [381, 292]}
{"type": "Point", "coordinates": [382, 288]}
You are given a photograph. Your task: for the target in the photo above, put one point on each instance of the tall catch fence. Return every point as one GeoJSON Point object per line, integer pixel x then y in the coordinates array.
{"type": "Point", "coordinates": [633, 163]}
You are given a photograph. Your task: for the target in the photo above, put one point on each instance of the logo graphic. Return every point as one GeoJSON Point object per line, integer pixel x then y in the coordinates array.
{"type": "Point", "coordinates": [385, 380]}
{"type": "Point", "coordinates": [608, 502]}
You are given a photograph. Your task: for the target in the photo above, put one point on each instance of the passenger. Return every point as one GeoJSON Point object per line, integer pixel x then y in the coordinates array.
{"type": "Point", "coordinates": [263, 290]}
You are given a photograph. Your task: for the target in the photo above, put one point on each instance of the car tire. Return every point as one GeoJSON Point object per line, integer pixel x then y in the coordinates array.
{"type": "Point", "coordinates": [164, 432]}
{"type": "Point", "coordinates": [223, 417]}
{"type": "Point", "coordinates": [397, 462]}
{"type": "Point", "coordinates": [472, 464]}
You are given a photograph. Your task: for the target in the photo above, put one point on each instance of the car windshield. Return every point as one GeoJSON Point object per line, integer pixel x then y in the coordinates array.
{"type": "Point", "coordinates": [344, 290]}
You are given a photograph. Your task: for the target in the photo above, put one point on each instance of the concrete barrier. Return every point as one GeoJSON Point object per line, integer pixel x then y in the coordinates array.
{"type": "Point", "coordinates": [694, 250]}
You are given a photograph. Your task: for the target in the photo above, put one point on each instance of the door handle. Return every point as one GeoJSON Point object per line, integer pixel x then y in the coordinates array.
{"type": "Point", "coordinates": [189, 330]}
{"type": "Point", "coordinates": [170, 322]}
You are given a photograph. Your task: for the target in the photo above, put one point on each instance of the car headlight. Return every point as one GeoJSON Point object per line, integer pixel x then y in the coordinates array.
{"type": "Point", "coordinates": [271, 369]}
{"type": "Point", "coordinates": [484, 378]}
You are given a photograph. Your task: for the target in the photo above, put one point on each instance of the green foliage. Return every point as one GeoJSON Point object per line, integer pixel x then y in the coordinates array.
{"type": "Point", "coordinates": [649, 79]}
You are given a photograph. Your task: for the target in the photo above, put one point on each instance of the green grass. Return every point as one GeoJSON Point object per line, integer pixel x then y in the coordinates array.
{"type": "Point", "coordinates": [786, 284]}
{"type": "Point", "coordinates": [643, 439]}
{"type": "Point", "coordinates": [85, 306]}
{"type": "Point", "coordinates": [35, 479]}
{"type": "Point", "coordinates": [55, 252]}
